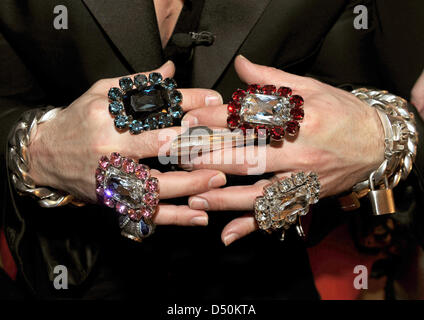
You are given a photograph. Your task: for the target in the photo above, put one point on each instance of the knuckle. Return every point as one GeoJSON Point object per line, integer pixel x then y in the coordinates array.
{"type": "Point", "coordinates": [216, 201]}
{"type": "Point", "coordinates": [98, 144]}
{"type": "Point", "coordinates": [219, 203]}
{"type": "Point", "coordinates": [311, 159]}
{"type": "Point", "coordinates": [243, 169]}
{"type": "Point", "coordinates": [149, 146]}
{"type": "Point", "coordinates": [313, 82]}
{"type": "Point", "coordinates": [253, 162]}
{"type": "Point", "coordinates": [192, 100]}
{"type": "Point", "coordinates": [312, 124]}
{"type": "Point", "coordinates": [177, 217]}
{"type": "Point", "coordinates": [94, 107]}
{"type": "Point", "coordinates": [198, 184]}
{"type": "Point", "coordinates": [324, 101]}
{"type": "Point", "coordinates": [269, 69]}
{"type": "Point", "coordinates": [98, 84]}
{"type": "Point", "coordinates": [96, 103]}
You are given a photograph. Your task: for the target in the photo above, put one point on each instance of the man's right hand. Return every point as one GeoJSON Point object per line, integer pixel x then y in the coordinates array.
{"type": "Point", "coordinates": [65, 150]}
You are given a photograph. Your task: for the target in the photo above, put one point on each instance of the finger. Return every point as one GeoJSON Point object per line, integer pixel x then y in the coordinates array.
{"type": "Point", "coordinates": [168, 214]}
{"type": "Point", "coordinates": [250, 73]}
{"type": "Point", "coordinates": [176, 184]}
{"type": "Point", "coordinates": [199, 98]}
{"type": "Point", "coordinates": [192, 98]}
{"type": "Point", "coordinates": [253, 160]}
{"type": "Point", "coordinates": [214, 116]}
{"type": "Point", "coordinates": [238, 228]}
{"type": "Point", "coordinates": [167, 70]}
{"type": "Point", "coordinates": [153, 143]}
{"type": "Point", "coordinates": [236, 198]}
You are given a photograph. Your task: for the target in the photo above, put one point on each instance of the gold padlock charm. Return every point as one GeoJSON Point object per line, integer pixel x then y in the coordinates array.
{"type": "Point", "coordinates": [382, 200]}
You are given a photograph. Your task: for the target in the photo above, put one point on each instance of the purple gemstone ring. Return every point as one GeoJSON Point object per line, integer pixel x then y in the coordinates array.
{"type": "Point", "coordinates": [126, 186]}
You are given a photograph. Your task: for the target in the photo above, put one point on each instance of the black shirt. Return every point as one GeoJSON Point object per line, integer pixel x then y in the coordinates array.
{"type": "Point", "coordinates": [182, 56]}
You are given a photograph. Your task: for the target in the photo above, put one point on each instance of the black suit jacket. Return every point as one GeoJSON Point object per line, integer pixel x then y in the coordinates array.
{"type": "Point", "coordinates": [40, 65]}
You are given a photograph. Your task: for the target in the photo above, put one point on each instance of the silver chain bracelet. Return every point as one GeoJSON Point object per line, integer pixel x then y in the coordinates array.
{"type": "Point", "coordinates": [19, 159]}
{"type": "Point", "coordinates": [401, 139]}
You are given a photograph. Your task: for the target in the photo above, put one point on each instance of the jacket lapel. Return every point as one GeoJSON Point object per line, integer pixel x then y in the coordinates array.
{"type": "Point", "coordinates": [132, 28]}
{"type": "Point", "coordinates": [231, 22]}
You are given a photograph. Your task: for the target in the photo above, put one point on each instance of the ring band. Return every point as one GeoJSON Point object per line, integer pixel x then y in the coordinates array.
{"type": "Point", "coordinates": [136, 231]}
{"type": "Point", "coordinates": [143, 104]}
{"type": "Point", "coordinates": [269, 111]}
{"type": "Point", "coordinates": [126, 186]}
{"type": "Point", "coordinates": [285, 201]}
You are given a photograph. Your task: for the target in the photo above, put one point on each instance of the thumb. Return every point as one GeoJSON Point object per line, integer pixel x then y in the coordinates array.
{"type": "Point", "coordinates": [417, 95]}
{"type": "Point", "coordinates": [250, 73]}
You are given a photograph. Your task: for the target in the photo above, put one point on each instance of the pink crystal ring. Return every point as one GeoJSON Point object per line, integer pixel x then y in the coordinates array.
{"type": "Point", "coordinates": [269, 111]}
{"type": "Point", "coordinates": [285, 201]}
{"type": "Point", "coordinates": [126, 186]}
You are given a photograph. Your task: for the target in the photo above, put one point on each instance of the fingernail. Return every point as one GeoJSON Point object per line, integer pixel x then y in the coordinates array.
{"type": "Point", "coordinates": [198, 203]}
{"type": "Point", "coordinates": [199, 221]}
{"type": "Point", "coordinates": [192, 120]}
{"type": "Point", "coordinates": [217, 181]}
{"type": "Point", "coordinates": [230, 238]}
{"type": "Point", "coordinates": [187, 167]}
{"type": "Point", "coordinates": [243, 57]}
{"type": "Point", "coordinates": [213, 100]}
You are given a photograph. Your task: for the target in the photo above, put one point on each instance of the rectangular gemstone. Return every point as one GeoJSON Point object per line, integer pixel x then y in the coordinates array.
{"type": "Point", "coordinates": [125, 188]}
{"type": "Point", "coordinates": [258, 109]}
{"type": "Point", "coordinates": [141, 103]}
{"type": "Point", "coordinates": [291, 204]}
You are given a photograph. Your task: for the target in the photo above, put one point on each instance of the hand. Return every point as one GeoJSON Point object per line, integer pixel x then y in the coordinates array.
{"type": "Point", "coordinates": [341, 138]}
{"type": "Point", "coordinates": [417, 95]}
{"type": "Point", "coordinates": [66, 150]}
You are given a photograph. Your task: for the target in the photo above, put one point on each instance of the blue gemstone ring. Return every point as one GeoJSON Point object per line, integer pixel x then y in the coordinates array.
{"type": "Point", "coordinates": [143, 104]}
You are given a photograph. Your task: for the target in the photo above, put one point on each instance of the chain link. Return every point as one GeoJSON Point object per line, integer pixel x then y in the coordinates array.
{"type": "Point", "coordinates": [401, 137]}
{"type": "Point", "coordinates": [19, 160]}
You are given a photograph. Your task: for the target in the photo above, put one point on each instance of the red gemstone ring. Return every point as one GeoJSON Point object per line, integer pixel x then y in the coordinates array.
{"type": "Point", "coordinates": [126, 186]}
{"type": "Point", "coordinates": [271, 112]}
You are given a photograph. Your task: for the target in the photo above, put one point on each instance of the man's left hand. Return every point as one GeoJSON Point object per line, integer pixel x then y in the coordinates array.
{"type": "Point", "coordinates": [341, 138]}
